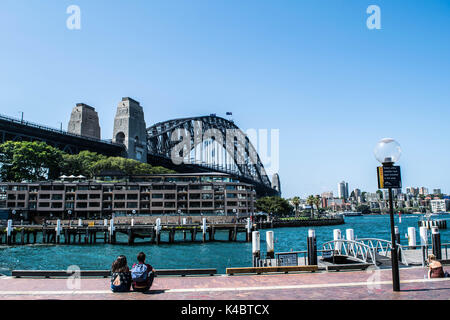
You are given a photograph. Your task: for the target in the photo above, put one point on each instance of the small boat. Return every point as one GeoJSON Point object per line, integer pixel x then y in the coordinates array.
{"type": "Point", "coordinates": [351, 214]}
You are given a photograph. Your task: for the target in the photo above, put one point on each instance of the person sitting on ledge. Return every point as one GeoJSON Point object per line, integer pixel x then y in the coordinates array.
{"type": "Point", "coordinates": [142, 274]}
{"type": "Point", "coordinates": [120, 275]}
{"type": "Point", "coordinates": [435, 269]}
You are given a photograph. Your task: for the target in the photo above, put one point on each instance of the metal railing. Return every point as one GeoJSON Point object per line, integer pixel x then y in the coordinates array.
{"type": "Point", "coordinates": [54, 130]}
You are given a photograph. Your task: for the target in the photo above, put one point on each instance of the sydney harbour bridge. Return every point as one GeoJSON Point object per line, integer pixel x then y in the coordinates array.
{"type": "Point", "coordinates": [186, 145]}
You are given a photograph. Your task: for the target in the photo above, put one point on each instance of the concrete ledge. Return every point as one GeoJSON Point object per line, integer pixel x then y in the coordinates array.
{"type": "Point", "coordinates": [260, 270]}
{"type": "Point", "coordinates": [104, 273]}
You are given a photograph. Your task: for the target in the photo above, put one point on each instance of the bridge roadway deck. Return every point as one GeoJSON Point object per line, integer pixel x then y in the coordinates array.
{"type": "Point", "coordinates": [358, 285]}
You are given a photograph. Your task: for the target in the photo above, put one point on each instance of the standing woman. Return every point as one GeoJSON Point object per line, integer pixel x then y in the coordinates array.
{"type": "Point", "coordinates": [120, 275]}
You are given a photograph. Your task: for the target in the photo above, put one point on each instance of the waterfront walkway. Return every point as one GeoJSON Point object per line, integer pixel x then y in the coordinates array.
{"type": "Point", "coordinates": [360, 285]}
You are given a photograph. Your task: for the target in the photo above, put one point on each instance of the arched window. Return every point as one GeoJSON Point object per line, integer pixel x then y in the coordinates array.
{"type": "Point", "coordinates": [120, 137]}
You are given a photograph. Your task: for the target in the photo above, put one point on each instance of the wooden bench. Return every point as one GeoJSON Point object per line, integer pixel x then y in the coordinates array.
{"type": "Point", "coordinates": [260, 270]}
{"type": "Point", "coordinates": [104, 273]}
{"type": "Point", "coordinates": [353, 266]}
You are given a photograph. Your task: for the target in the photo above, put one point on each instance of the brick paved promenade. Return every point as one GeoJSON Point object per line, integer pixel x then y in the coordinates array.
{"type": "Point", "coordinates": [359, 285]}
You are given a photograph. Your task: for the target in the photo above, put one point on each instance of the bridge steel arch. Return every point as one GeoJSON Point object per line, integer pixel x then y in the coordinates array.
{"type": "Point", "coordinates": [163, 137]}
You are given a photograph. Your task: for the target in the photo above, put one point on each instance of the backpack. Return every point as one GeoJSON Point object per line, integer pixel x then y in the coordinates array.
{"type": "Point", "coordinates": [139, 272]}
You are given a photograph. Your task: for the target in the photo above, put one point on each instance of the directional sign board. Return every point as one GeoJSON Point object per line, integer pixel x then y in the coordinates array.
{"type": "Point", "coordinates": [287, 259]}
{"type": "Point", "coordinates": [389, 177]}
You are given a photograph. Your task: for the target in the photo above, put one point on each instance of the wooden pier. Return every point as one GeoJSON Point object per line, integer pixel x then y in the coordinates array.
{"type": "Point", "coordinates": [101, 233]}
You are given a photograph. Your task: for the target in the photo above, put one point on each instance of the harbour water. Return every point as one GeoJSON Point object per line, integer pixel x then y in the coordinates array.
{"type": "Point", "coordinates": [219, 254]}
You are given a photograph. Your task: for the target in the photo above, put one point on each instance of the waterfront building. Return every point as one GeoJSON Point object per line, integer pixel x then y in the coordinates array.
{"type": "Point", "coordinates": [115, 193]}
{"type": "Point", "coordinates": [343, 190]}
{"type": "Point", "coordinates": [327, 195]}
{"type": "Point", "coordinates": [412, 191]}
{"type": "Point", "coordinates": [440, 205]}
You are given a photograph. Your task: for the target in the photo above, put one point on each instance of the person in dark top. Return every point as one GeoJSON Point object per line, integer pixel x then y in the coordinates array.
{"type": "Point", "coordinates": [120, 275]}
{"type": "Point", "coordinates": [142, 274]}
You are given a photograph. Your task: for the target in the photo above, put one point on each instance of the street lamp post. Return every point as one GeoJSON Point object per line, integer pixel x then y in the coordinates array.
{"type": "Point", "coordinates": [387, 152]}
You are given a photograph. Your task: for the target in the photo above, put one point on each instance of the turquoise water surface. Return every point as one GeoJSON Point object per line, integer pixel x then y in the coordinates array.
{"type": "Point", "coordinates": [219, 255]}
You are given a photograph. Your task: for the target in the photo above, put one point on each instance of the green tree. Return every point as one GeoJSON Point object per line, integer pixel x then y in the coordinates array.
{"type": "Point", "coordinates": [80, 164]}
{"type": "Point", "coordinates": [310, 201]}
{"type": "Point", "coordinates": [317, 202]}
{"type": "Point", "coordinates": [126, 166]}
{"type": "Point", "coordinates": [296, 203]}
{"type": "Point", "coordinates": [274, 205]}
{"type": "Point", "coordinates": [29, 161]}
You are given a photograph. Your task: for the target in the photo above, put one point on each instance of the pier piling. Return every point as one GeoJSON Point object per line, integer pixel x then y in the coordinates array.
{"type": "Point", "coordinates": [255, 248]}
{"type": "Point", "coordinates": [436, 240]}
{"type": "Point", "coordinates": [312, 247]}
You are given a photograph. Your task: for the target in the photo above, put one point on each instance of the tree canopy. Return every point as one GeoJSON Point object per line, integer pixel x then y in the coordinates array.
{"type": "Point", "coordinates": [29, 161]}
{"type": "Point", "coordinates": [34, 161]}
{"type": "Point", "coordinates": [274, 205]}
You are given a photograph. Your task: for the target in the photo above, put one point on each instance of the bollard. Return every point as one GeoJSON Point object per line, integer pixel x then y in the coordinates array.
{"type": "Point", "coordinates": [411, 236]}
{"type": "Point", "coordinates": [249, 228]}
{"type": "Point", "coordinates": [80, 223]}
{"type": "Point", "coordinates": [350, 234]}
{"type": "Point", "coordinates": [436, 240]}
{"type": "Point", "coordinates": [105, 222]}
{"type": "Point", "coordinates": [312, 248]}
{"type": "Point", "coordinates": [9, 229]}
{"type": "Point", "coordinates": [132, 222]}
{"type": "Point", "coordinates": [397, 235]}
{"type": "Point", "coordinates": [204, 229]}
{"type": "Point", "coordinates": [423, 231]}
{"type": "Point", "coordinates": [58, 231]}
{"type": "Point", "coordinates": [111, 231]}
{"type": "Point", "coordinates": [158, 229]}
{"type": "Point", "coordinates": [270, 253]}
{"type": "Point", "coordinates": [337, 236]}
{"type": "Point", "coordinates": [255, 248]}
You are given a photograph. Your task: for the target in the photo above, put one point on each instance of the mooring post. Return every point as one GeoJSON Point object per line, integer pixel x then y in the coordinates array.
{"type": "Point", "coordinates": [111, 231]}
{"type": "Point", "coordinates": [184, 231]}
{"type": "Point", "coordinates": [336, 237]}
{"type": "Point", "coordinates": [58, 231]}
{"type": "Point", "coordinates": [9, 229]}
{"type": "Point", "coordinates": [423, 233]}
{"type": "Point", "coordinates": [86, 235]}
{"type": "Point", "coordinates": [44, 234]}
{"type": "Point", "coordinates": [132, 222]}
{"type": "Point", "coordinates": [270, 245]}
{"type": "Point", "coordinates": [350, 235]}
{"type": "Point", "coordinates": [194, 234]}
{"type": "Point", "coordinates": [22, 236]}
{"type": "Point", "coordinates": [249, 230]}
{"type": "Point", "coordinates": [66, 236]}
{"type": "Point", "coordinates": [130, 236]}
{"type": "Point", "coordinates": [255, 248]}
{"type": "Point", "coordinates": [412, 237]}
{"type": "Point", "coordinates": [397, 234]}
{"type": "Point", "coordinates": [158, 230]}
{"type": "Point", "coordinates": [312, 247]}
{"type": "Point", "coordinates": [436, 239]}
{"type": "Point", "coordinates": [203, 229]}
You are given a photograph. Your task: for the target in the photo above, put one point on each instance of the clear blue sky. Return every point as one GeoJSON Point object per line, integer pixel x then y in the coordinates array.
{"type": "Point", "coordinates": [309, 68]}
